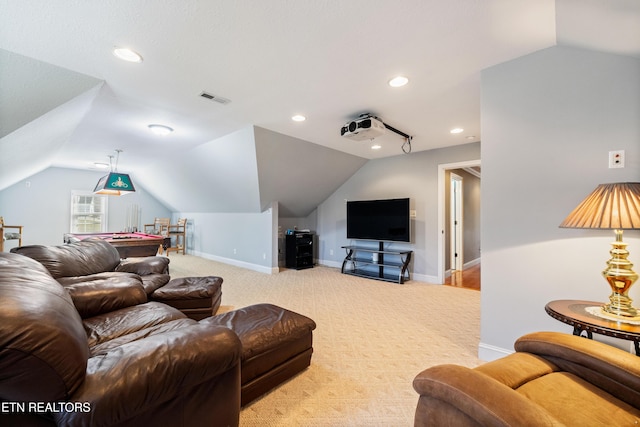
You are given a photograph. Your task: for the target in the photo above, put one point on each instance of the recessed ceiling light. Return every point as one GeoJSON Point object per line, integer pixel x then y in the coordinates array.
{"type": "Point", "coordinates": [127, 54]}
{"type": "Point", "coordinates": [160, 129]}
{"type": "Point", "coordinates": [398, 81]}
{"type": "Point", "coordinates": [100, 165]}
{"type": "Point", "coordinates": [376, 146]}
{"type": "Point", "coordinates": [457, 130]}
{"type": "Point", "coordinates": [471, 137]}
{"type": "Point", "coordinates": [298, 118]}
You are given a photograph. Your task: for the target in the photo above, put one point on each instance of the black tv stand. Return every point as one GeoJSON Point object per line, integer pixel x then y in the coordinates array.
{"type": "Point", "coordinates": [380, 264]}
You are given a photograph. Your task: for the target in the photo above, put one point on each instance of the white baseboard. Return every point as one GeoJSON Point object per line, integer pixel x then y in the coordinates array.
{"type": "Point", "coordinates": [249, 266]}
{"type": "Point", "coordinates": [327, 263]}
{"type": "Point", "coordinates": [488, 352]}
{"type": "Point", "coordinates": [472, 263]}
{"type": "Point", "coordinates": [425, 278]}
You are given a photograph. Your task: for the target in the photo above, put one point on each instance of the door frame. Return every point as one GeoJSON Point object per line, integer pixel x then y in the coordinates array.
{"type": "Point", "coordinates": [441, 210]}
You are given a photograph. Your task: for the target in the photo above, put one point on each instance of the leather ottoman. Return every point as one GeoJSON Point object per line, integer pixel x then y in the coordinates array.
{"type": "Point", "coordinates": [276, 345]}
{"type": "Point", "coordinates": [197, 297]}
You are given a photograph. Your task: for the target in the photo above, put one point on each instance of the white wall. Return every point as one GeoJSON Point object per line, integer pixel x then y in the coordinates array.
{"type": "Point", "coordinates": [412, 175]}
{"type": "Point", "coordinates": [42, 204]}
{"type": "Point", "coordinates": [549, 120]}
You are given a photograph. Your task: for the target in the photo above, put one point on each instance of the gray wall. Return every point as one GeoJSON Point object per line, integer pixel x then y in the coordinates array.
{"type": "Point", "coordinates": [408, 175]}
{"type": "Point", "coordinates": [247, 240]}
{"type": "Point", "coordinates": [42, 204]}
{"type": "Point", "coordinates": [549, 120]}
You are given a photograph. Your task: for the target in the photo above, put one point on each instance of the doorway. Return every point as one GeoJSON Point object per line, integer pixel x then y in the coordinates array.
{"type": "Point", "coordinates": [445, 250]}
{"type": "Point", "coordinates": [456, 229]}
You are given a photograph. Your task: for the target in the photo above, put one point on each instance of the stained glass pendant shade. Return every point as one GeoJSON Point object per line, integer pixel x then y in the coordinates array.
{"type": "Point", "coordinates": [114, 183]}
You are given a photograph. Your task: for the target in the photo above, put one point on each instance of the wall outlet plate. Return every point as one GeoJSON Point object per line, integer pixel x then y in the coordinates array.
{"type": "Point", "coordinates": [616, 159]}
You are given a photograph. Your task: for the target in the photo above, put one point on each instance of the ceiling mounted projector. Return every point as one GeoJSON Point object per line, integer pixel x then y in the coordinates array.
{"type": "Point", "coordinates": [363, 128]}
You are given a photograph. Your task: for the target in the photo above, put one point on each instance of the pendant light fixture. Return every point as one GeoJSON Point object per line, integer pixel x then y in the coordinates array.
{"type": "Point", "coordinates": [114, 183]}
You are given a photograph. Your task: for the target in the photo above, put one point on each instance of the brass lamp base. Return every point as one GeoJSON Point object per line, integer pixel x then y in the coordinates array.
{"type": "Point", "coordinates": [620, 277]}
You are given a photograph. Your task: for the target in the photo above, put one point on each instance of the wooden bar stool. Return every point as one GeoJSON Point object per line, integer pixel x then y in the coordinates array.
{"type": "Point", "coordinates": [9, 235]}
{"type": "Point", "coordinates": [178, 230]}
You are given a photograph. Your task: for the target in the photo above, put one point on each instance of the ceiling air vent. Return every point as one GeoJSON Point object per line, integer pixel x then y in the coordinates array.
{"type": "Point", "coordinates": [215, 98]}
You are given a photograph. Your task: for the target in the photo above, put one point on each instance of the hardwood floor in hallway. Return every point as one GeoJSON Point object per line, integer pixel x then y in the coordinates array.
{"type": "Point", "coordinates": [467, 278]}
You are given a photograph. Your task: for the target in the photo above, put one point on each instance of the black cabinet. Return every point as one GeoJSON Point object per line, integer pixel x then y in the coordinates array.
{"type": "Point", "coordinates": [299, 250]}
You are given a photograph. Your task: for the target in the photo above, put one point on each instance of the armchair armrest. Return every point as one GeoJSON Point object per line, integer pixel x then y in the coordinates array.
{"type": "Point", "coordinates": [145, 376]}
{"type": "Point", "coordinates": [145, 266]}
{"type": "Point", "coordinates": [607, 367]}
{"type": "Point", "coordinates": [460, 396]}
{"type": "Point", "coordinates": [104, 292]}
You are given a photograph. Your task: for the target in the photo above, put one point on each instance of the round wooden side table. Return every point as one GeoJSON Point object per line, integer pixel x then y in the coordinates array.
{"type": "Point", "coordinates": [574, 313]}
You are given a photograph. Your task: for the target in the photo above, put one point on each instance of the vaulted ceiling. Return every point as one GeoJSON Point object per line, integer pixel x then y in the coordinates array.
{"type": "Point", "coordinates": [66, 101]}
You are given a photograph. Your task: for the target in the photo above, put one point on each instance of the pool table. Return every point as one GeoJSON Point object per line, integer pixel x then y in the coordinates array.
{"type": "Point", "coordinates": [127, 244]}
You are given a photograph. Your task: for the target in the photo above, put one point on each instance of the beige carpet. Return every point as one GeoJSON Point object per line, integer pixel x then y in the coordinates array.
{"type": "Point", "coordinates": [372, 339]}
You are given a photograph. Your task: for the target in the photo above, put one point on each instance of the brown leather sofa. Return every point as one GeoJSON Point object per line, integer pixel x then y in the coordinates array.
{"type": "Point", "coordinates": [552, 379]}
{"type": "Point", "coordinates": [121, 344]}
{"type": "Point", "coordinates": [86, 266]}
{"type": "Point", "coordinates": [96, 262]}
{"type": "Point", "coordinates": [126, 362]}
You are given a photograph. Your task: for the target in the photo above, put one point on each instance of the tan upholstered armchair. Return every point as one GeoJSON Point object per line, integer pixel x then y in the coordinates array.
{"type": "Point", "coordinates": [9, 235]}
{"type": "Point", "coordinates": [552, 379]}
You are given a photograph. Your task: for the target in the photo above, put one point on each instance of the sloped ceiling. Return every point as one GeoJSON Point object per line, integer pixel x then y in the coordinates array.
{"type": "Point", "coordinates": [247, 170]}
{"type": "Point", "coordinates": [66, 101]}
{"type": "Point", "coordinates": [299, 174]}
{"type": "Point", "coordinates": [41, 106]}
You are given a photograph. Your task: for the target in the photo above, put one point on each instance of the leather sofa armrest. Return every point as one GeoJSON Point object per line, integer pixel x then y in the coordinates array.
{"type": "Point", "coordinates": [92, 298]}
{"type": "Point", "coordinates": [456, 395]}
{"type": "Point", "coordinates": [140, 376]}
{"type": "Point", "coordinates": [145, 266]}
{"type": "Point", "coordinates": [607, 367]}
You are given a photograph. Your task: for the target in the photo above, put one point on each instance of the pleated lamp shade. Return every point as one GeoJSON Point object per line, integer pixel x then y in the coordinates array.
{"type": "Point", "coordinates": [609, 206]}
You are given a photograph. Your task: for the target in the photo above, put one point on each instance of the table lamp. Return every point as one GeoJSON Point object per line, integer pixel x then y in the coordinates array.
{"type": "Point", "coordinates": [613, 207]}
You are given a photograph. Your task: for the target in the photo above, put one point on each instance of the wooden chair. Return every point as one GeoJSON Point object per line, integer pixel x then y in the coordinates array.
{"type": "Point", "coordinates": [178, 230]}
{"type": "Point", "coordinates": [160, 227]}
{"type": "Point", "coordinates": [9, 235]}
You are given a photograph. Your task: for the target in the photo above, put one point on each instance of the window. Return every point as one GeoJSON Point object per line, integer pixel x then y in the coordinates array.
{"type": "Point", "coordinates": [88, 212]}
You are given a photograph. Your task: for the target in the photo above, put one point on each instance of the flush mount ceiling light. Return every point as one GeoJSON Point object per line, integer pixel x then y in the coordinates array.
{"type": "Point", "coordinates": [298, 118]}
{"type": "Point", "coordinates": [127, 54]}
{"type": "Point", "coordinates": [160, 129]}
{"type": "Point", "coordinates": [398, 81]}
{"type": "Point", "coordinates": [456, 130]}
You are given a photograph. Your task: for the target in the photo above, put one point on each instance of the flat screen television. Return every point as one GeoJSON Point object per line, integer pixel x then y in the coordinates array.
{"type": "Point", "coordinates": [386, 220]}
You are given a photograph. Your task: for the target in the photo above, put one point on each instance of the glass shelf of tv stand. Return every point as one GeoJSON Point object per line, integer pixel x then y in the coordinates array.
{"type": "Point", "coordinates": [379, 264]}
